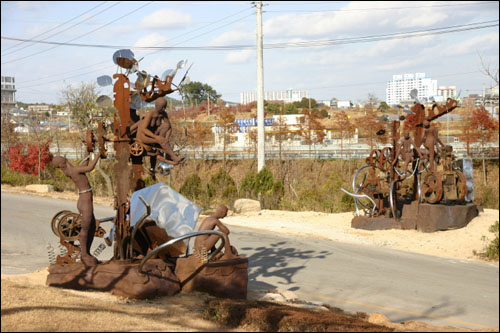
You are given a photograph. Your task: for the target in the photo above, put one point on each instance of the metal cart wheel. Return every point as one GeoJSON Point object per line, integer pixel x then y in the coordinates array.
{"type": "Point", "coordinates": [55, 221]}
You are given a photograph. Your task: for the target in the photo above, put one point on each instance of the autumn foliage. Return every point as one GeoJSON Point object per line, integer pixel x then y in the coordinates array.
{"type": "Point", "coordinates": [481, 128]}
{"type": "Point", "coordinates": [24, 158]}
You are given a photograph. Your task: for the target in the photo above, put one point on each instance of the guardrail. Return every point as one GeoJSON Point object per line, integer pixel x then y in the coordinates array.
{"type": "Point", "coordinates": [359, 151]}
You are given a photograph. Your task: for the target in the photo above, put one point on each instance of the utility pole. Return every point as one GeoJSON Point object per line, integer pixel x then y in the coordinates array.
{"type": "Point", "coordinates": [260, 92]}
{"type": "Point", "coordinates": [208, 104]}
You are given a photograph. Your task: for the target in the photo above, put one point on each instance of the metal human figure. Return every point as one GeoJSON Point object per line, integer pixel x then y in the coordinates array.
{"type": "Point", "coordinates": [430, 140]}
{"type": "Point", "coordinates": [207, 242]}
{"type": "Point", "coordinates": [373, 187]}
{"type": "Point", "coordinates": [84, 204]}
{"type": "Point", "coordinates": [155, 128]}
{"type": "Point", "coordinates": [405, 150]}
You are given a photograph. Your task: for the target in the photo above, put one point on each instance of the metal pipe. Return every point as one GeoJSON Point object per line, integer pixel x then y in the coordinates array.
{"type": "Point", "coordinates": [361, 196]}
{"type": "Point", "coordinates": [175, 240]}
{"type": "Point", "coordinates": [107, 219]}
{"type": "Point", "coordinates": [391, 198]}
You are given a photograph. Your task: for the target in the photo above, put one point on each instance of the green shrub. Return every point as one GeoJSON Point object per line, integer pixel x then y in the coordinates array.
{"type": "Point", "coordinates": [222, 188]}
{"type": "Point", "coordinates": [491, 250]}
{"type": "Point", "coordinates": [262, 183]}
{"type": "Point", "coordinates": [192, 187]}
{"type": "Point", "coordinates": [15, 178]}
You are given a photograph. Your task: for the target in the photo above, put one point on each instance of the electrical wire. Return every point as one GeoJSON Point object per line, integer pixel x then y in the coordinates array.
{"type": "Point", "coordinates": [105, 62]}
{"type": "Point", "coordinates": [92, 31]}
{"type": "Point", "coordinates": [380, 8]}
{"type": "Point", "coordinates": [59, 25]}
{"type": "Point", "coordinates": [313, 43]}
{"type": "Point", "coordinates": [207, 25]}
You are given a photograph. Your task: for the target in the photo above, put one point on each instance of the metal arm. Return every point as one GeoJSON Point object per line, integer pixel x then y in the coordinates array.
{"type": "Point", "coordinates": [361, 196]}
{"type": "Point", "coordinates": [180, 238]}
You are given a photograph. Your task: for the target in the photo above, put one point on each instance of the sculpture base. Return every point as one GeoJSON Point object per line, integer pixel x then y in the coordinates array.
{"type": "Point", "coordinates": [422, 217]}
{"type": "Point", "coordinates": [220, 278]}
{"type": "Point", "coordinates": [119, 277]}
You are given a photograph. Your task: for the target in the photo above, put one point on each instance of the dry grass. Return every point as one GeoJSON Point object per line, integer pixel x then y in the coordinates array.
{"type": "Point", "coordinates": [37, 308]}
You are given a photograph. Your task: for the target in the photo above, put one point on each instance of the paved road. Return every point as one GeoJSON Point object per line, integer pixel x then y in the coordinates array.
{"type": "Point", "coordinates": [401, 285]}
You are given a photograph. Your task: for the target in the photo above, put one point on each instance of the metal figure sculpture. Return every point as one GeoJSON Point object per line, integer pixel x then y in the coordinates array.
{"type": "Point", "coordinates": [84, 204]}
{"type": "Point", "coordinates": [146, 259]}
{"type": "Point", "coordinates": [401, 195]}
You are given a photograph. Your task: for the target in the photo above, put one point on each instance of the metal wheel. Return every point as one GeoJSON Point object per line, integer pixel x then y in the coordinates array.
{"type": "Point", "coordinates": [384, 160]}
{"type": "Point", "coordinates": [432, 187]}
{"type": "Point", "coordinates": [361, 174]}
{"type": "Point", "coordinates": [55, 221]}
{"type": "Point", "coordinates": [136, 149]}
{"type": "Point", "coordinates": [461, 185]}
{"type": "Point", "coordinates": [69, 227]}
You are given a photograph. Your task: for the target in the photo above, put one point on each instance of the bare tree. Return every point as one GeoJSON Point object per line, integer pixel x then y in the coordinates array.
{"type": "Point", "coordinates": [311, 129]}
{"type": "Point", "coordinates": [252, 142]}
{"type": "Point", "coordinates": [37, 135]}
{"type": "Point", "coordinates": [489, 71]}
{"type": "Point", "coordinates": [199, 134]}
{"type": "Point", "coordinates": [9, 136]}
{"type": "Point", "coordinates": [281, 134]}
{"type": "Point", "coordinates": [81, 102]}
{"type": "Point", "coordinates": [227, 128]}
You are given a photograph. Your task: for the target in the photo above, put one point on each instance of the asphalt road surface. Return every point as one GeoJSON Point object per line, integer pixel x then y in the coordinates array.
{"type": "Point", "coordinates": [403, 286]}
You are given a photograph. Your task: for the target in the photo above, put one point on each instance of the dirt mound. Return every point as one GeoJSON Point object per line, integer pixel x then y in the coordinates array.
{"type": "Point", "coordinates": [271, 317]}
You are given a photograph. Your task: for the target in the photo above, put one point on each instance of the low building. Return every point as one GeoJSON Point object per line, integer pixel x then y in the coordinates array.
{"type": "Point", "coordinates": [345, 105]}
{"type": "Point", "coordinates": [8, 92]}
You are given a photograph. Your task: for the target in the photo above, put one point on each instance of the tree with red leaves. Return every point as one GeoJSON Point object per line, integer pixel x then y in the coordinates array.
{"type": "Point", "coordinates": [30, 159]}
{"type": "Point", "coordinates": [480, 128]}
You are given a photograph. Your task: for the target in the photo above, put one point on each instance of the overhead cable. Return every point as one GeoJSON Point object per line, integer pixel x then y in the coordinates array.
{"type": "Point", "coordinates": [312, 43]}
{"type": "Point", "coordinates": [105, 25]}
{"type": "Point", "coordinates": [59, 25]}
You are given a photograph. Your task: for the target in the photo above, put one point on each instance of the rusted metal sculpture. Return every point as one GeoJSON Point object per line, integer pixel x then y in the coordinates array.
{"type": "Point", "coordinates": [148, 260]}
{"type": "Point", "coordinates": [428, 192]}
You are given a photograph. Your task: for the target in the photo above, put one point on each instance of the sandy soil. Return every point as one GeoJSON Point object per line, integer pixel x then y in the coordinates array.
{"type": "Point", "coordinates": [457, 243]}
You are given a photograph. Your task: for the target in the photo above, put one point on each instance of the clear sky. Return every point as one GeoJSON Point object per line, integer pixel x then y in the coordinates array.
{"type": "Point", "coordinates": [347, 49]}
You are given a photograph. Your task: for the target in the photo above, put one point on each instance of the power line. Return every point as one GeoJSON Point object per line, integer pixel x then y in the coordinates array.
{"type": "Point", "coordinates": [86, 67]}
{"type": "Point", "coordinates": [104, 62]}
{"type": "Point", "coordinates": [312, 43]}
{"type": "Point", "coordinates": [380, 8]}
{"type": "Point", "coordinates": [113, 21]}
{"type": "Point", "coordinates": [59, 25]}
{"type": "Point", "coordinates": [220, 20]}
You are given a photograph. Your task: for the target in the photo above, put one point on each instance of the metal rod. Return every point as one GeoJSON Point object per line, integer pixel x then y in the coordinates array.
{"type": "Point", "coordinates": [391, 198]}
{"type": "Point", "coordinates": [361, 196]}
{"type": "Point", "coordinates": [175, 240]}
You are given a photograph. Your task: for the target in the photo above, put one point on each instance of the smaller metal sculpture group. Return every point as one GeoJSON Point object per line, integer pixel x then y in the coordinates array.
{"type": "Point", "coordinates": [418, 167]}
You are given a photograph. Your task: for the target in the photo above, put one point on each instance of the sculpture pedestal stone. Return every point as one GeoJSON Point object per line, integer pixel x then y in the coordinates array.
{"type": "Point", "coordinates": [119, 277]}
{"type": "Point", "coordinates": [422, 217]}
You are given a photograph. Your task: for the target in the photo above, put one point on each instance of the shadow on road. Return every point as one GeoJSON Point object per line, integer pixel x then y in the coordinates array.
{"type": "Point", "coordinates": [279, 261]}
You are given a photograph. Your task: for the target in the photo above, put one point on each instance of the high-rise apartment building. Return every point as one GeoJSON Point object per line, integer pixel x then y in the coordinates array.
{"type": "Point", "coordinates": [287, 96]}
{"type": "Point", "coordinates": [400, 86]}
{"type": "Point", "coordinates": [8, 92]}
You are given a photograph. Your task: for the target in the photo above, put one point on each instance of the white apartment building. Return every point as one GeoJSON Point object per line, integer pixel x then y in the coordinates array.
{"type": "Point", "coordinates": [287, 96]}
{"type": "Point", "coordinates": [447, 92]}
{"type": "Point", "coordinates": [400, 86]}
